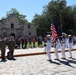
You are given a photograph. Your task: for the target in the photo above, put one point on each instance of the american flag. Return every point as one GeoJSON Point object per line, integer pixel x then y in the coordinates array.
{"type": "Point", "coordinates": [53, 31]}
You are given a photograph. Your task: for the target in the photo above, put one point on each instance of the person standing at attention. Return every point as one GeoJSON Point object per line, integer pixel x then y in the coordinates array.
{"type": "Point", "coordinates": [2, 47]}
{"type": "Point", "coordinates": [11, 46]}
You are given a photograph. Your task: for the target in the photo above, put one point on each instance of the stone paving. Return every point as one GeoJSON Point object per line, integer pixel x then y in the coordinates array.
{"type": "Point", "coordinates": [39, 64]}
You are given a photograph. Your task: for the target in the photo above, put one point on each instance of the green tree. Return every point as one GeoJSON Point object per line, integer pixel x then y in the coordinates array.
{"type": "Point", "coordinates": [59, 12]}
{"type": "Point", "coordinates": [74, 15]}
{"type": "Point", "coordinates": [18, 15]}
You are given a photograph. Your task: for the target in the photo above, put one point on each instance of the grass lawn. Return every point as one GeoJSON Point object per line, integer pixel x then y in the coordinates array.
{"type": "Point", "coordinates": [36, 44]}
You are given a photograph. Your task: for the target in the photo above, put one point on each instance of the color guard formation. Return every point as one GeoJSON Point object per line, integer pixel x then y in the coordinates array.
{"type": "Point", "coordinates": [62, 42]}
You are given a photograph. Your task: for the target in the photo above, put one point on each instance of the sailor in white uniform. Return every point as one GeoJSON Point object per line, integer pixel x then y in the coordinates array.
{"type": "Point", "coordinates": [48, 46]}
{"type": "Point", "coordinates": [63, 45]}
{"type": "Point", "coordinates": [70, 44]}
{"type": "Point", "coordinates": [57, 46]}
{"type": "Point", "coordinates": [66, 42]}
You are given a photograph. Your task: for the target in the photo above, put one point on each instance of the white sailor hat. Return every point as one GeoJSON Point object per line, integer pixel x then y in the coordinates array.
{"type": "Point", "coordinates": [48, 35]}
{"type": "Point", "coordinates": [69, 35]}
{"type": "Point", "coordinates": [63, 33]}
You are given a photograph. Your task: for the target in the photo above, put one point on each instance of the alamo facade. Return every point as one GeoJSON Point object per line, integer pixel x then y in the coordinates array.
{"type": "Point", "coordinates": [12, 25]}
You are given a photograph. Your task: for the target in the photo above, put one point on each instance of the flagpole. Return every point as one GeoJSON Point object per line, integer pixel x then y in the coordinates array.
{"type": "Point", "coordinates": [60, 22]}
{"type": "Point", "coordinates": [75, 23]}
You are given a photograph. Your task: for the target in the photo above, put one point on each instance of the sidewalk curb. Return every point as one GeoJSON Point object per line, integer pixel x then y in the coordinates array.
{"type": "Point", "coordinates": [37, 53]}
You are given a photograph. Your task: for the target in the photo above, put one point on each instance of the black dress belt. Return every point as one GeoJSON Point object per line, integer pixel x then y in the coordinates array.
{"type": "Point", "coordinates": [63, 42]}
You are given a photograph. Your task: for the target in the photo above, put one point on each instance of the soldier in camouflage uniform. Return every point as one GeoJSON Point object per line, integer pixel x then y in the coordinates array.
{"type": "Point", "coordinates": [2, 47]}
{"type": "Point", "coordinates": [11, 46]}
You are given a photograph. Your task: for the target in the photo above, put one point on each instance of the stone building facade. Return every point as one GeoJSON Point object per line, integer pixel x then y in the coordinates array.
{"type": "Point", "coordinates": [12, 25]}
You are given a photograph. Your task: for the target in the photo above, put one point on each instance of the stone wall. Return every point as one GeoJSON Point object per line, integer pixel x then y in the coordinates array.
{"type": "Point", "coordinates": [11, 24]}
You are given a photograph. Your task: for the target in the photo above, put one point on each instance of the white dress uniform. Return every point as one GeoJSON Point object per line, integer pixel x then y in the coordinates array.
{"type": "Point", "coordinates": [70, 45]}
{"type": "Point", "coordinates": [66, 42]}
{"type": "Point", "coordinates": [48, 47]}
{"type": "Point", "coordinates": [63, 45]}
{"type": "Point", "coordinates": [57, 46]}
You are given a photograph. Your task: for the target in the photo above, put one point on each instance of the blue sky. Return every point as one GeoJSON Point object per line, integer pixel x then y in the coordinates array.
{"type": "Point", "coordinates": [26, 7]}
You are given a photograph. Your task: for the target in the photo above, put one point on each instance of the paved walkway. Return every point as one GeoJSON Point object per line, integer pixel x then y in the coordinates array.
{"type": "Point", "coordinates": [38, 64]}
{"type": "Point", "coordinates": [33, 51]}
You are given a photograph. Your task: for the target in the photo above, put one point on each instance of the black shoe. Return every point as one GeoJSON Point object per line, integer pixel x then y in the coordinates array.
{"type": "Point", "coordinates": [57, 59]}
{"type": "Point", "coordinates": [63, 58]}
{"type": "Point", "coordinates": [49, 60]}
{"type": "Point", "coordinates": [3, 60]}
{"type": "Point", "coordinates": [70, 57]}
{"type": "Point", "coordinates": [13, 59]}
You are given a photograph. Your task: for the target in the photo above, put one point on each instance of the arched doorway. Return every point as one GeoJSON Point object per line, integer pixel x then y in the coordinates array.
{"type": "Point", "coordinates": [4, 34]}
{"type": "Point", "coordinates": [12, 34]}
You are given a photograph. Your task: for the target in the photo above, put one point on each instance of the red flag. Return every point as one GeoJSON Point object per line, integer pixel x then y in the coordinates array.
{"type": "Point", "coordinates": [54, 33]}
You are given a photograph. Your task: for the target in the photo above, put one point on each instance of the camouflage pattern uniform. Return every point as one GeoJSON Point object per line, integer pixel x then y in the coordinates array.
{"type": "Point", "coordinates": [2, 47]}
{"type": "Point", "coordinates": [11, 46]}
